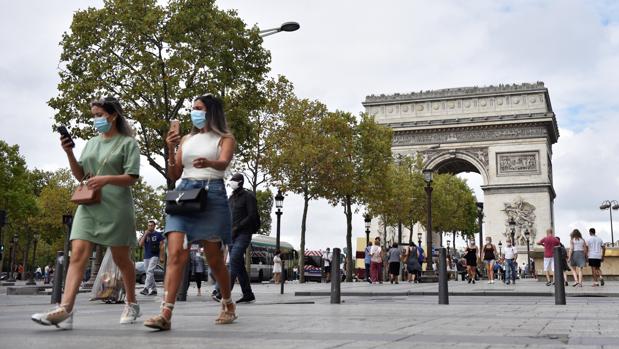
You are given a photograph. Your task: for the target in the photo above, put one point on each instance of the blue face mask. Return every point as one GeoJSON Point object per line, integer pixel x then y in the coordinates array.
{"type": "Point", "coordinates": [102, 124]}
{"type": "Point", "coordinates": [198, 118]}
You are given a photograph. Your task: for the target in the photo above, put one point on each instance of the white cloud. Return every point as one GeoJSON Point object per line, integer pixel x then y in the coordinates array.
{"type": "Point", "coordinates": [346, 50]}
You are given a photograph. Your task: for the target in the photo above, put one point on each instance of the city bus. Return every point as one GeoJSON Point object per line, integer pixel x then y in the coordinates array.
{"type": "Point", "coordinates": [262, 250]}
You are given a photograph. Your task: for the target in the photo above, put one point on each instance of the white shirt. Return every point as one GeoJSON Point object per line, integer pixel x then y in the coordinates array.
{"type": "Point", "coordinates": [327, 258]}
{"type": "Point", "coordinates": [510, 252]}
{"type": "Point", "coordinates": [595, 247]}
{"type": "Point", "coordinates": [579, 244]}
{"type": "Point", "coordinates": [375, 251]}
{"type": "Point", "coordinates": [201, 145]}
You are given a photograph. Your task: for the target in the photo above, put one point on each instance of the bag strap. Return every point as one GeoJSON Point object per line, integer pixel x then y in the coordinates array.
{"type": "Point", "coordinates": [107, 157]}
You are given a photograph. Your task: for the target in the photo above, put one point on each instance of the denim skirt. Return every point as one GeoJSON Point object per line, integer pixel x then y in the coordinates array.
{"type": "Point", "coordinates": [214, 223]}
{"type": "Point", "coordinates": [578, 259]}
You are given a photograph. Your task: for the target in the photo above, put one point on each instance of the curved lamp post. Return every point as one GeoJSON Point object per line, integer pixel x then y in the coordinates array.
{"type": "Point", "coordinates": [427, 176]}
{"type": "Point", "coordinates": [610, 205]}
{"type": "Point", "coordinates": [285, 27]}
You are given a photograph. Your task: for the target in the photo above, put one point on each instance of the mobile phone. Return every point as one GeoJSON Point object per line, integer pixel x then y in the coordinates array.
{"type": "Point", "coordinates": [65, 134]}
{"type": "Point", "coordinates": [175, 126]}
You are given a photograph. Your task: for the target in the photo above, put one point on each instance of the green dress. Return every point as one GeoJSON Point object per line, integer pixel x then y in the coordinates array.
{"type": "Point", "coordinates": [112, 221]}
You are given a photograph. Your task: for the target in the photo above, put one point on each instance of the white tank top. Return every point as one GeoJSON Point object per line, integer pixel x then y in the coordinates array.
{"type": "Point", "coordinates": [579, 245]}
{"type": "Point", "coordinates": [201, 145]}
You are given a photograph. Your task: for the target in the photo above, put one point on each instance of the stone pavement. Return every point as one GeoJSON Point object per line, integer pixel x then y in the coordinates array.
{"type": "Point", "coordinates": [384, 316]}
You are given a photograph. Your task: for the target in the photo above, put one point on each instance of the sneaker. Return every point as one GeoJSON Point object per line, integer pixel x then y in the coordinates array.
{"type": "Point", "coordinates": [469, 281]}
{"type": "Point", "coordinates": [473, 280]}
{"type": "Point", "coordinates": [567, 283]}
{"type": "Point", "coordinates": [144, 291]}
{"type": "Point", "coordinates": [548, 283]}
{"type": "Point", "coordinates": [58, 317]}
{"type": "Point", "coordinates": [153, 292]}
{"type": "Point", "coordinates": [247, 299]}
{"type": "Point", "coordinates": [507, 282]}
{"type": "Point", "coordinates": [601, 282]}
{"type": "Point", "coordinates": [130, 313]}
{"type": "Point", "coordinates": [216, 296]}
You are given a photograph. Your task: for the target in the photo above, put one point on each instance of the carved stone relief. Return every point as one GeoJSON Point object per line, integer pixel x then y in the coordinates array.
{"type": "Point", "coordinates": [403, 138]}
{"type": "Point", "coordinates": [523, 214]}
{"type": "Point", "coordinates": [516, 164]}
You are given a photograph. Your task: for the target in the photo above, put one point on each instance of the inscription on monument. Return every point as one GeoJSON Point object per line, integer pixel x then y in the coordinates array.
{"type": "Point", "coordinates": [523, 163]}
{"type": "Point", "coordinates": [401, 138]}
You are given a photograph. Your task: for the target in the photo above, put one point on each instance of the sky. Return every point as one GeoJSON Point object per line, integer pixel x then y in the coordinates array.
{"type": "Point", "coordinates": [346, 50]}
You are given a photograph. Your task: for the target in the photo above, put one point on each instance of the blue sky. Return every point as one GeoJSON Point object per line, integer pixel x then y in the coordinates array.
{"type": "Point", "coordinates": [348, 49]}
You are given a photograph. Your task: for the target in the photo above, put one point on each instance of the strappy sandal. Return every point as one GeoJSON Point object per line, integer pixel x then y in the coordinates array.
{"type": "Point", "coordinates": [227, 314]}
{"type": "Point", "coordinates": [160, 322]}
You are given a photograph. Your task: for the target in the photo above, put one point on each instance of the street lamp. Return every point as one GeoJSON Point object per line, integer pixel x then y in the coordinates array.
{"type": "Point", "coordinates": [527, 234]}
{"type": "Point", "coordinates": [279, 204]}
{"type": "Point", "coordinates": [610, 205]}
{"type": "Point", "coordinates": [419, 235]}
{"type": "Point", "coordinates": [512, 229]}
{"type": "Point", "coordinates": [368, 221]}
{"type": "Point", "coordinates": [31, 280]}
{"type": "Point", "coordinates": [67, 220]}
{"type": "Point", "coordinates": [480, 218]}
{"type": "Point", "coordinates": [2, 224]}
{"type": "Point", "coordinates": [448, 242]}
{"type": "Point", "coordinates": [14, 242]}
{"type": "Point", "coordinates": [285, 27]}
{"type": "Point", "coordinates": [500, 248]}
{"type": "Point", "coordinates": [427, 176]}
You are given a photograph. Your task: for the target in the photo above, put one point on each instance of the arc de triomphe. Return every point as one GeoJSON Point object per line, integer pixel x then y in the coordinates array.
{"type": "Point", "coordinates": [505, 133]}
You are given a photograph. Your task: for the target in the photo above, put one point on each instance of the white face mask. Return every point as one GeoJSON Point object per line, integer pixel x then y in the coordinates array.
{"type": "Point", "coordinates": [234, 185]}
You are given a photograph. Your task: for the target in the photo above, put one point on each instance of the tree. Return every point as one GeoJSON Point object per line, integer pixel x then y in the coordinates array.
{"type": "Point", "coordinates": [148, 203]}
{"type": "Point", "coordinates": [265, 206]}
{"type": "Point", "coordinates": [360, 152]}
{"type": "Point", "coordinates": [251, 158]}
{"type": "Point", "coordinates": [16, 195]}
{"type": "Point", "coordinates": [155, 58]}
{"type": "Point", "coordinates": [296, 150]}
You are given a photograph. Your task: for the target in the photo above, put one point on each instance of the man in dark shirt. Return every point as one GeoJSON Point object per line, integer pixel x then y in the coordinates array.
{"type": "Point", "coordinates": [152, 241]}
{"type": "Point", "coordinates": [245, 219]}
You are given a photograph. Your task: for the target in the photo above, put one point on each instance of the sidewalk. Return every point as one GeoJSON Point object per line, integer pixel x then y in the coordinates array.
{"type": "Point", "coordinates": [393, 320]}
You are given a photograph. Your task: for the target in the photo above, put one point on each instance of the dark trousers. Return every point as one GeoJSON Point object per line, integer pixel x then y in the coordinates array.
{"type": "Point", "coordinates": [237, 263]}
{"type": "Point", "coordinates": [367, 271]}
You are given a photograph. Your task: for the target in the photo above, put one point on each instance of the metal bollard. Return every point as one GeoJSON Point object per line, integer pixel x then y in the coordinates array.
{"type": "Point", "coordinates": [181, 295]}
{"type": "Point", "coordinates": [335, 278]}
{"type": "Point", "coordinates": [559, 280]}
{"type": "Point", "coordinates": [58, 278]}
{"type": "Point", "coordinates": [443, 291]}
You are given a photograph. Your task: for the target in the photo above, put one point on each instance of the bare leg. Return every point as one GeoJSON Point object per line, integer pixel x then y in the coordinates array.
{"type": "Point", "coordinates": [80, 253]}
{"type": "Point", "coordinates": [122, 258]}
{"type": "Point", "coordinates": [575, 274]}
{"type": "Point", "coordinates": [177, 258]}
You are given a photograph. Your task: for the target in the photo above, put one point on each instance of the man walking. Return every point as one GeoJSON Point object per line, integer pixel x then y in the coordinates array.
{"type": "Point", "coordinates": [368, 260]}
{"type": "Point", "coordinates": [549, 243]}
{"type": "Point", "coordinates": [245, 222]}
{"type": "Point", "coordinates": [511, 254]}
{"type": "Point", "coordinates": [596, 257]}
{"type": "Point", "coordinates": [152, 242]}
{"type": "Point", "coordinates": [326, 258]}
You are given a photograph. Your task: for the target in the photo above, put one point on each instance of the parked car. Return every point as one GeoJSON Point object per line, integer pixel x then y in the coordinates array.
{"type": "Point", "coordinates": [140, 273]}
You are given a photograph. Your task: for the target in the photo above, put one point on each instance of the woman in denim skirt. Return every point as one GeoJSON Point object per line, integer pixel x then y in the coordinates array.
{"type": "Point", "coordinates": [200, 160]}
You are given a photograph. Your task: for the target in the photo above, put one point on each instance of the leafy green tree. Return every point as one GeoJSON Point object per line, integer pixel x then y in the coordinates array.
{"type": "Point", "coordinates": [251, 158]}
{"type": "Point", "coordinates": [265, 206]}
{"type": "Point", "coordinates": [156, 58]}
{"type": "Point", "coordinates": [360, 152]}
{"type": "Point", "coordinates": [148, 203]}
{"type": "Point", "coordinates": [16, 197]}
{"type": "Point", "coordinates": [296, 151]}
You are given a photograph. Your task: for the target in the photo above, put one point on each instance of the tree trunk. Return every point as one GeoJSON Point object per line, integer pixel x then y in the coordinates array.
{"type": "Point", "coordinates": [349, 255]}
{"type": "Point", "coordinates": [302, 247]}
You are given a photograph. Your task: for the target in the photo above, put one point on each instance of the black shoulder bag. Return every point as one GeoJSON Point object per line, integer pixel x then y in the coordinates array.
{"type": "Point", "coordinates": [185, 201]}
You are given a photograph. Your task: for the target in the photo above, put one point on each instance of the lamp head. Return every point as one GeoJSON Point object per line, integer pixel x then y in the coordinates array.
{"type": "Point", "coordinates": [527, 234]}
{"type": "Point", "coordinates": [279, 199]}
{"type": "Point", "coordinates": [427, 175]}
{"type": "Point", "coordinates": [289, 26]}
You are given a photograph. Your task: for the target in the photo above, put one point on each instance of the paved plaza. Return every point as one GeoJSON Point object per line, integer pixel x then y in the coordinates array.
{"type": "Point", "coordinates": [370, 316]}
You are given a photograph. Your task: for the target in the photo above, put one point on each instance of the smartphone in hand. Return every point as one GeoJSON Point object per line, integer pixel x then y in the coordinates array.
{"type": "Point", "coordinates": [65, 134]}
{"type": "Point", "coordinates": [175, 126]}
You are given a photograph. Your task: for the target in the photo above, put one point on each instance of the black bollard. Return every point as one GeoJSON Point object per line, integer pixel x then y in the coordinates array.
{"type": "Point", "coordinates": [559, 281]}
{"type": "Point", "coordinates": [58, 278]}
{"type": "Point", "coordinates": [181, 295]}
{"type": "Point", "coordinates": [443, 291]}
{"type": "Point", "coordinates": [335, 277]}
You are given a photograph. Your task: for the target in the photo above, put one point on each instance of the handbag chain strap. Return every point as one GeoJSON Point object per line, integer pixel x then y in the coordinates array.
{"type": "Point", "coordinates": [104, 160]}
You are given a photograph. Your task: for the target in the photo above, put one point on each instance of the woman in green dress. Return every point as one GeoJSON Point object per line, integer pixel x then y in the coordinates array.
{"type": "Point", "coordinates": [111, 161]}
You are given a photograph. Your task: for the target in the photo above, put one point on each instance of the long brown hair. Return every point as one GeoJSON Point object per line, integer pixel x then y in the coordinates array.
{"type": "Point", "coordinates": [215, 117]}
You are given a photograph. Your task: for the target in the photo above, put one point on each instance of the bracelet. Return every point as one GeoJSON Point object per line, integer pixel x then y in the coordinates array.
{"type": "Point", "coordinates": [171, 164]}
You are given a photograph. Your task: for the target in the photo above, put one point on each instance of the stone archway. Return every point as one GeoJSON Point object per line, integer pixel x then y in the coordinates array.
{"type": "Point", "coordinates": [505, 133]}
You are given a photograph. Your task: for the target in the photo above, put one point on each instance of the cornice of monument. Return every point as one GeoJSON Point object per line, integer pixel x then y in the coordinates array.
{"type": "Point", "coordinates": [474, 91]}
